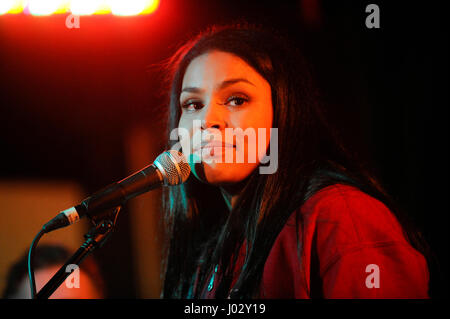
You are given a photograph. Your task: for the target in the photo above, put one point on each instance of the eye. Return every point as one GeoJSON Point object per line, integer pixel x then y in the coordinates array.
{"type": "Point", "coordinates": [191, 105]}
{"type": "Point", "coordinates": [237, 100]}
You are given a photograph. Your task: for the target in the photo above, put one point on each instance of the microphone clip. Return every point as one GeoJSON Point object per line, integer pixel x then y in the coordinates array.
{"type": "Point", "coordinates": [96, 237]}
{"type": "Point", "coordinates": [110, 214]}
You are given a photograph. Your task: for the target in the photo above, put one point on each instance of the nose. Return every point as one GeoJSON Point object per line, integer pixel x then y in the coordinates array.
{"type": "Point", "coordinates": [212, 117]}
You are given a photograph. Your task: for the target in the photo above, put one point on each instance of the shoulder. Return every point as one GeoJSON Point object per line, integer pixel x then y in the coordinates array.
{"type": "Point", "coordinates": [348, 212]}
{"type": "Point", "coordinates": [351, 232]}
{"type": "Point", "coordinates": [350, 215]}
{"type": "Point", "coordinates": [339, 220]}
{"type": "Point", "coordinates": [341, 230]}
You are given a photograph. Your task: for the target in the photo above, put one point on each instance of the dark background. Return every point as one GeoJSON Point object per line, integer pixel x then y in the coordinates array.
{"type": "Point", "coordinates": [67, 97]}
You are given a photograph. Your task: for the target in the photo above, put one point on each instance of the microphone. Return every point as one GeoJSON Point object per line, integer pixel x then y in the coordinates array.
{"type": "Point", "coordinates": [169, 168]}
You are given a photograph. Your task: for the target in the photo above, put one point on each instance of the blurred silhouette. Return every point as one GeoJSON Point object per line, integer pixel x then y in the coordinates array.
{"type": "Point", "coordinates": [48, 260]}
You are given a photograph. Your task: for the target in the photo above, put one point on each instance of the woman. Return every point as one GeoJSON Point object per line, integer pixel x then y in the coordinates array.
{"type": "Point", "coordinates": [318, 226]}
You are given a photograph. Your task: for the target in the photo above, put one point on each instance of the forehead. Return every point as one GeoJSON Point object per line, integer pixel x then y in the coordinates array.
{"type": "Point", "coordinates": [214, 67]}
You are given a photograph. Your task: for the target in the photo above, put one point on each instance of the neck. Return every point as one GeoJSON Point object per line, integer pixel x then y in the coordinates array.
{"type": "Point", "coordinates": [231, 193]}
{"type": "Point", "coordinates": [230, 200]}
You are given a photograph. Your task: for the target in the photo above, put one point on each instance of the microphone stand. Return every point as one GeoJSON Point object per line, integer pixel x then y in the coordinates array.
{"type": "Point", "coordinates": [95, 238]}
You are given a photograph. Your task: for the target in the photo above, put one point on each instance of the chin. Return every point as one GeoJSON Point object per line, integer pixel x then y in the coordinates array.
{"type": "Point", "coordinates": [222, 174]}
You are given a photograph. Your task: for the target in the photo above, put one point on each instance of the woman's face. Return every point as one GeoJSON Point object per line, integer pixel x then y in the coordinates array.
{"type": "Point", "coordinates": [225, 100]}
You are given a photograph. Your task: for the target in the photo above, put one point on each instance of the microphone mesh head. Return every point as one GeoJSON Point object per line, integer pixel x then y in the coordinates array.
{"type": "Point", "coordinates": [175, 166]}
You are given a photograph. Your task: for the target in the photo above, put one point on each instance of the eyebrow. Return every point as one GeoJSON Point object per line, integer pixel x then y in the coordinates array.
{"type": "Point", "coordinates": [221, 86]}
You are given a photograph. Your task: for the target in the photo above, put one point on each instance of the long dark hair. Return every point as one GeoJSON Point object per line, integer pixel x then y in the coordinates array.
{"type": "Point", "coordinates": [201, 231]}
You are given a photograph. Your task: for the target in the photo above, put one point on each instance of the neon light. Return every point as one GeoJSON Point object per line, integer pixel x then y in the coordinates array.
{"type": "Point", "coordinates": [63, 7]}
{"type": "Point", "coordinates": [79, 7]}
{"type": "Point", "coordinates": [103, 8]}
{"type": "Point", "coordinates": [85, 7]}
{"type": "Point", "coordinates": [131, 7]}
{"type": "Point", "coordinates": [151, 7]}
{"type": "Point", "coordinates": [44, 8]}
{"type": "Point", "coordinates": [11, 6]}
{"type": "Point", "coordinates": [6, 6]}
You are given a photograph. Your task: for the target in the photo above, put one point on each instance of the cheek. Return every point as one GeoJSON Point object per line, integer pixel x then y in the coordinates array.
{"type": "Point", "coordinates": [259, 120]}
{"type": "Point", "coordinates": [189, 134]}
{"type": "Point", "coordinates": [189, 124]}
{"type": "Point", "coordinates": [184, 133]}
{"type": "Point", "coordinates": [258, 115]}
{"type": "Point", "coordinates": [184, 123]}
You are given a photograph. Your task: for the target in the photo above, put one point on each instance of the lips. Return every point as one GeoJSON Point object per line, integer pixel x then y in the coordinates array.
{"type": "Point", "coordinates": [211, 144]}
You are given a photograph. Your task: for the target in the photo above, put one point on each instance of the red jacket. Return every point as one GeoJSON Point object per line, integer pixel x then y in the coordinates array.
{"type": "Point", "coordinates": [352, 246]}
